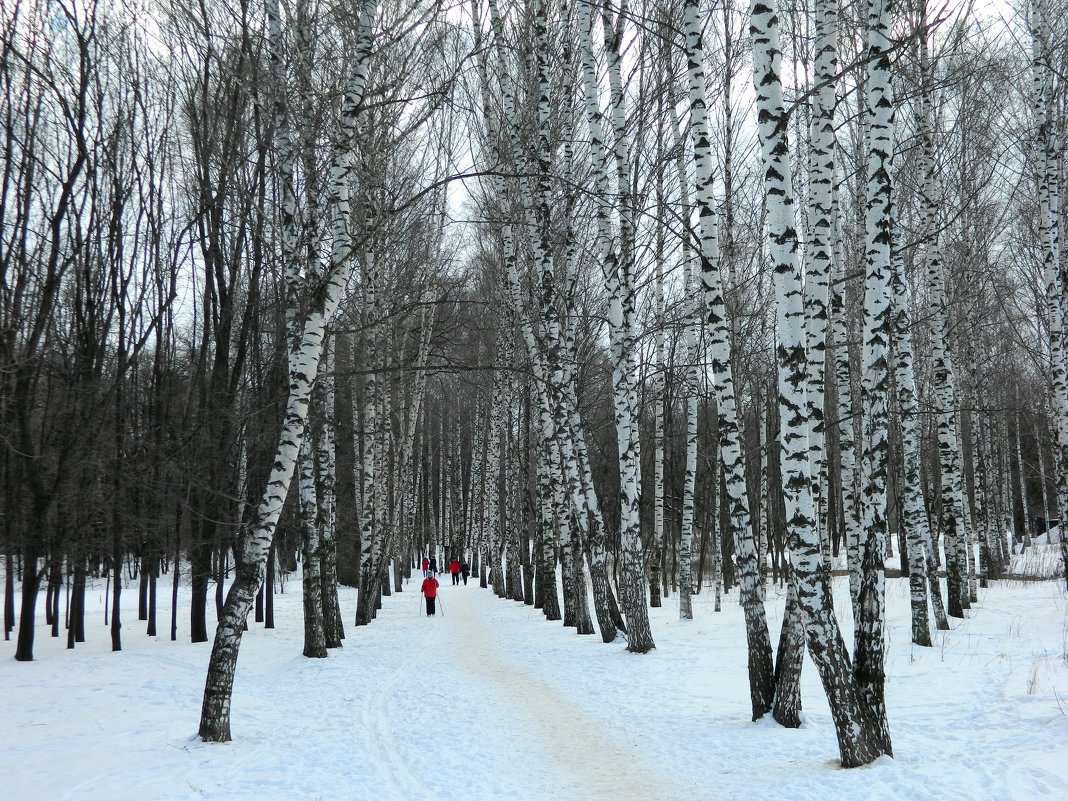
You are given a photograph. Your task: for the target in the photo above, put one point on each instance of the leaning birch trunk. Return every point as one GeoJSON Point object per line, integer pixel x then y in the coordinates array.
{"type": "Point", "coordinates": [859, 741]}
{"type": "Point", "coordinates": [761, 673]}
{"type": "Point", "coordinates": [288, 158]}
{"type": "Point", "coordinates": [581, 506]}
{"type": "Point", "coordinates": [597, 554]}
{"type": "Point", "coordinates": [303, 365]}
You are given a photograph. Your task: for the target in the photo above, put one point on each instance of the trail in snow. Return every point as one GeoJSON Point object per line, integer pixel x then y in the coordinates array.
{"type": "Point", "coordinates": [491, 702]}
{"type": "Point", "coordinates": [591, 762]}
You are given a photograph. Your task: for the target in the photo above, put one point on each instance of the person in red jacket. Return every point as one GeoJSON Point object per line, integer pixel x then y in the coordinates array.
{"type": "Point", "coordinates": [430, 592]}
{"type": "Point", "coordinates": [426, 566]}
{"type": "Point", "coordinates": [454, 568]}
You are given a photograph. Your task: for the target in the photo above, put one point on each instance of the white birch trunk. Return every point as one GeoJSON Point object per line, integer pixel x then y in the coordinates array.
{"type": "Point", "coordinates": [333, 627]}
{"type": "Point", "coordinates": [858, 743]}
{"type": "Point", "coordinates": [819, 257]}
{"type": "Point", "coordinates": [914, 516]}
{"type": "Point", "coordinates": [878, 114]}
{"type": "Point", "coordinates": [1047, 149]}
{"type": "Point", "coordinates": [303, 366]}
{"type": "Point", "coordinates": [1025, 532]}
{"type": "Point", "coordinates": [619, 270]}
{"type": "Point", "coordinates": [761, 673]}
{"type": "Point", "coordinates": [846, 440]}
{"type": "Point", "coordinates": [311, 575]}
{"type": "Point", "coordinates": [943, 378]}
{"type": "Point", "coordinates": [690, 354]}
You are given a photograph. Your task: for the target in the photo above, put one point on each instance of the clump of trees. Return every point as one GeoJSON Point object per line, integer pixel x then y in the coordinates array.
{"type": "Point", "coordinates": [616, 300]}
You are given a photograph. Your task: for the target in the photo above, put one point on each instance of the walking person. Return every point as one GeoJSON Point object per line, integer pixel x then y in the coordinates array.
{"type": "Point", "coordinates": [465, 570]}
{"type": "Point", "coordinates": [426, 566]}
{"type": "Point", "coordinates": [430, 592]}
{"type": "Point", "coordinates": [433, 564]}
{"type": "Point", "coordinates": [454, 569]}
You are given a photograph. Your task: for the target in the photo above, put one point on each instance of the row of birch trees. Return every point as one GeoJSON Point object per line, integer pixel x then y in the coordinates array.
{"type": "Point", "coordinates": [617, 301]}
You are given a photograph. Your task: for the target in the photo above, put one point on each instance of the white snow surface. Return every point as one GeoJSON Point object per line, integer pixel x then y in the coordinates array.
{"type": "Point", "coordinates": [491, 701]}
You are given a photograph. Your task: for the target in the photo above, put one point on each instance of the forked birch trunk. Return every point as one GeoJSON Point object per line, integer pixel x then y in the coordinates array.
{"type": "Point", "coordinates": [859, 739]}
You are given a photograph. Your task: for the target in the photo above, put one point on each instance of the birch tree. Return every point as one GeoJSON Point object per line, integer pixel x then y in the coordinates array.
{"type": "Point", "coordinates": [761, 674]}
{"type": "Point", "coordinates": [860, 739]}
{"type": "Point", "coordinates": [1048, 151]}
{"type": "Point", "coordinates": [303, 365]}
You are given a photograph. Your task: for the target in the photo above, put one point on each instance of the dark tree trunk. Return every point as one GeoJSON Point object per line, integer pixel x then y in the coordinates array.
{"type": "Point", "coordinates": [199, 573]}
{"type": "Point", "coordinates": [153, 574]}
{"type": "Point", "coordinates": [76, 621]}
{"type": "Point", "coordinates": [9, 595]}
{"type": "Point", "coordinates": [268, 587]}
{"type": "Point", "coordinates": [116, 596]}
{"type": "Point", "coordinates": [174, 580]}
{"type": "Point", "coordinates": [30, 583]}
{"type": "Point", "coordinates": [142, 589]}
{"type": "Point", "coordinates": [55, 574]}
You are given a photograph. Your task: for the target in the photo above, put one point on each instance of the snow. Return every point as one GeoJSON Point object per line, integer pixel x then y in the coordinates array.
{"type": "Point", "coordinates": [490, 701]}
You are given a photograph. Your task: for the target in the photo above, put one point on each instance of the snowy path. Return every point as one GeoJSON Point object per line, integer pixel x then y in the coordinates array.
{"type": "Point", "coordinates": [583, 757]}
{"type": "Point", "coordinates": [490, 701]}
{"type": "Point", "coordinates": [451, 717]}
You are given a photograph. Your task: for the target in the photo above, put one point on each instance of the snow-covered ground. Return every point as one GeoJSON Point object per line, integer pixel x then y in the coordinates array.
{"type": "Point", "coordinates": [490, 701]}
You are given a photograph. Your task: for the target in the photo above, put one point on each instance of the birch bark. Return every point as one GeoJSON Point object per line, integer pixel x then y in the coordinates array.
{"type": "Point", "coordinates": [761, 674]}
{"type": "Point", "coordinates": [619, 268]}
{"type": "Point", "coordinates": [303, 365]}
{"type": "Point", "coordinates": [878, 115]}
{"type": "Point", "coordinates": [1047, 148]}
{"type": "Point", "coordinates": [914, 517]}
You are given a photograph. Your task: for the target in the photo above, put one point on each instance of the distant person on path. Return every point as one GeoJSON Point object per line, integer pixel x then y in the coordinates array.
{"type": "Point", "coordinates": [465, 571]}
{"type": "Point", "coordinates": [426, 566]}
{"type": "Point", "coordinates": [454, 568]}
{"type": "Point", "coordinates": [433, 564]}
{"type": "Point", "coordinates": [430, 592]}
